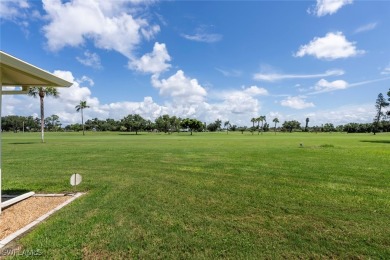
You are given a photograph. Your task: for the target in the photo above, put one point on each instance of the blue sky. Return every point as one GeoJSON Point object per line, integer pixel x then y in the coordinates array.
{"type": "Point", "coordinates": [229, 60]}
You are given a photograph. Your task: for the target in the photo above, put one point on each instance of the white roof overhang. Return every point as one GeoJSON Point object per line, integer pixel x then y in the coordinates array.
{"type": "Point", "coordinates": [18, 73]}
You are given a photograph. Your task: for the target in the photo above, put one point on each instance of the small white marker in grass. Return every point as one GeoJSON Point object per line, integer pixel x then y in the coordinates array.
{"type": "Point", "coordinates": [75, 179]}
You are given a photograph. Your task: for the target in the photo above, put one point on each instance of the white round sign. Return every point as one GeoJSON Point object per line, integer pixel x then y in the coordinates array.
{"type": "Point", "coordinates": [75, 179]}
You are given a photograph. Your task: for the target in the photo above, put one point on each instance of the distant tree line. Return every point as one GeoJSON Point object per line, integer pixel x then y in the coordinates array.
{"type": "Point", "coordinates": [168, 124]}
{"type": "Point", "coordinates": [30, 124]}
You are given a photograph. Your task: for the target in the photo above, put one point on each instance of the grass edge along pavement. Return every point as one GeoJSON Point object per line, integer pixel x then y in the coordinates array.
{"type": "Point", "coordinates": [209, 195]}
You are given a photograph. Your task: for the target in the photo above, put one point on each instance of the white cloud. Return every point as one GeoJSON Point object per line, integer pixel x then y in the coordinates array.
{"type": "Point", "coordinates": [241, 102]}
{"type": "Point", "coordinates": [20, 12]}
{"type": "Point", "coordinates": [326, 86]}
{"type": "Point", "coordinates": [64, 106]}
{"type": "Point", "coordinates": [180, 88]}
{"type": "Point", "coordinates": [386, 71]}
{"type": "Point", "coordinates": [332, 46]}
{"type": "Point", "coordinates": [323, 86]}
{"type": "Point", "coordinates": [147, 109]}
{"type": "Point", "coordinates": [86, 79]}
{"type": "Point", "coordinates": [230, 73]}
{"type": "Point", "coordinates": [11, 10]}
{"type": "Point", "coordinates": [366, 27]}
{"type": "Point", "coordinates": [90, 59]}
{"type": "Point", "coordinates": [202, 35]}
{"type": "Point", "coordinates": [297, 102]}
{"type": "Point", "coordinates": [362, 113]}
{"type": "Point", "coordinates": [330, 7]}
{"type": "Point", "coordinates": [155, 62]}
{"type": "Point", "coordinates": [108, 24]}
{"type": "Point", "coordinates": [275, 76]}
{"type": "Point", "coordinates": [255, 91]}
{"type": "Point", "coordinates": [76, 92]}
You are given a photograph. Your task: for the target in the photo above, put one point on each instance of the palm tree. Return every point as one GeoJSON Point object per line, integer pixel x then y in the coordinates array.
{"type": "Point", "coordinates": [275, 120]}
{"type": "Point", "coordinates": [307, 123]}
{"type": "Point", "coordinates": [258, 124]}
{"type": "Point", "coordinates": [261, 119]}
{"type": "Point", "coordinates": [227, 125]}
{"type": "Point", "coordinates": [42, 92]}
{"type": "Point", "coordinates": [253, 120]}
{"type": "Point", "coordinates": [81, 107]}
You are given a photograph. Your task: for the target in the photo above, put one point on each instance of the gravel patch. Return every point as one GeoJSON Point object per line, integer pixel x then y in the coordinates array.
{"type": "Point", "coordinates": [22, 213]}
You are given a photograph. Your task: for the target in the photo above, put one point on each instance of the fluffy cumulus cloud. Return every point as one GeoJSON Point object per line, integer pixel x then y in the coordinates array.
{"type": "Point", "coordinates": [330, 47]}
{"type": "Point", "coordinates": [326, 86]}
{"type": "Point", "coordinates": [180, 88]}
{"type": "Point", "coordinates": [297, 102]}
{"type": "Point", "coordinates": [70, 97]}
{"type": "Point", "coordinates": [325, 7]}
{"type": "Point", "coordinates": [14, 104]}
{"type": "Point", "coordinates": [242, 101]}
{"type": "Point", "coordinates": [155, 62]}
{"type": "Point", "coordinates": [106, 23]}
{"type": "Point", "coordinates": [255, 91]}
{"type": "Point", "coordinates": [146, 108]}
{"type": "Point", "coordinates": [361, 113]}
{"type": "Point", "coordinates": [275, 76]}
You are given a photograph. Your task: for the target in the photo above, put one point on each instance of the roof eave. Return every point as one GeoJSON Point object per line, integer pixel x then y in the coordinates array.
{"type": "Point", "coordinates": [9, 62]}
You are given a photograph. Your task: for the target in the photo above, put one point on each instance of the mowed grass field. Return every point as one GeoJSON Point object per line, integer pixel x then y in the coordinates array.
{"type": "Point", "coordinates": [210, 195]}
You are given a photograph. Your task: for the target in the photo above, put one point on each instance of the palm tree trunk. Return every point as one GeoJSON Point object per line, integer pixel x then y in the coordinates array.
{"type": "Point", "coordinates": [82, 120]}
{"type": "Point", "coordinates": [42, 119]}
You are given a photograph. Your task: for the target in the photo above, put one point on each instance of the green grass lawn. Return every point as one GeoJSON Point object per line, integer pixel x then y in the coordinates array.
{"type": "Point", "coordinates": [210, 195]}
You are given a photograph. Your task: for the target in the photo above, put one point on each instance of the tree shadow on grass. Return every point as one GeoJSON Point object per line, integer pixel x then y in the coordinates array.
{"type": "Point", "coordinates": [376, 141]}
{"type": "Point", "coordinates": [131, 134]}
{"type": "Point", "coordinates": [26, 143]}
